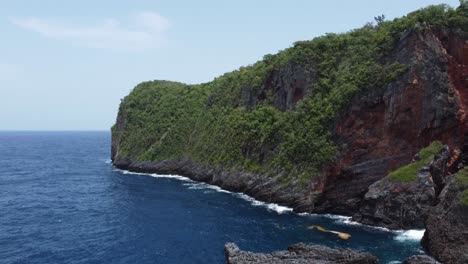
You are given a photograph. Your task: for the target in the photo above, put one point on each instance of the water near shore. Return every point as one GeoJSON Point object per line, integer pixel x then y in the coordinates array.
{"type": "Point", "coordinates": [62, 202]}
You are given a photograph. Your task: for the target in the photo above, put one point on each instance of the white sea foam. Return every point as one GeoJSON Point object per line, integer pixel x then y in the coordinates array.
{"type": "Point", "coordinates": [409, 235]}
{"type": "Point", "coordinates": [347, 220]}
{"type": "Point", "coordinates": [204, 186]}
{"type": "Point", "coordinates": [401, 235]}
{"type": "Point", "coordinates": [201, 185]}
{"type": "Point", "coordinates": [155, 175]}
{"type": "Point", "coordinates": [108, 161]}
{"type": "Point", "coordinates": [270, 206]}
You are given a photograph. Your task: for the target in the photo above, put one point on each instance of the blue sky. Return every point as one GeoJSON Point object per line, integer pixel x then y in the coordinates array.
{"type": "Point", "coordinates": [65, 65]}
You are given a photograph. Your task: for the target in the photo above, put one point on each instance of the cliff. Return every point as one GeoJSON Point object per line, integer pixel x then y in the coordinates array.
{"type": "Point", "coordinates": [318, 125]}
{"type": "Point", "coordinates": [447, 226]}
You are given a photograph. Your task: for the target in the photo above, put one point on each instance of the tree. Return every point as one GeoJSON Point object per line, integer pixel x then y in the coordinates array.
{"type": "Point", "coordinates": [379, 19]}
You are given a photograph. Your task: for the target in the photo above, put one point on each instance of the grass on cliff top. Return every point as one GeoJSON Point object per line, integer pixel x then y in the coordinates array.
{"type": "Point", "coordinates": [464, 198]}
{"type": "Point", "coordinates": [408, 172]}
{"type": "Point", "coordinates": [461, 179]}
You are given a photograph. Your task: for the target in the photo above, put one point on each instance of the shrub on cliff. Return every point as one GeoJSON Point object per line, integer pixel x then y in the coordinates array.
{"type": "Point", "coordinates": [408, 172]}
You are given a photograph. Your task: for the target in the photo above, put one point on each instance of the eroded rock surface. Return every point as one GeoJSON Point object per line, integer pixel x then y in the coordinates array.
{"type": "Point", "coordinates": [446, 236]}
{"type": "Point", "coordinates": [397, 205]}
{"type": "Point", "coordinates": [420, 259]}
{"type": "Point", "coordinates": [298, 254]}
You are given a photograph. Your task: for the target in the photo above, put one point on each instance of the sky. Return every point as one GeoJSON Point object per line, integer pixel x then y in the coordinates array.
{"type": "Point", "coordinates": [65, 65]}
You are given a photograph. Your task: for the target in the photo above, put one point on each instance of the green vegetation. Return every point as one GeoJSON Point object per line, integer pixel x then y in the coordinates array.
{"type": "Point", "coordinates": [224, 123]}
{"type": "Point", "coordinates": [464, 198]}
{"type": "Point", "coordinates": [461, 186]}
{"type": "Point", "coordinates": [408, 172]}
{"type": "Point", "coordinates": [461, 178]}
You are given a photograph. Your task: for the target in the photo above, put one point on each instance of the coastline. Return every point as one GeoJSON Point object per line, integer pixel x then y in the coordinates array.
{"type": "Point", "coordinates": [401, 235]}
{"type": "Point", "coordinates": [260, 187]}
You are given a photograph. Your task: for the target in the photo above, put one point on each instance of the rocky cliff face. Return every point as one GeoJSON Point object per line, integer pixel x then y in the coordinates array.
{"type": "Point", "coordinates": [383, 129]}
{"type": "Point", "coordinates": [446, 235]}
{"type": "Point", "coordinates": [395, 204]}
{"type": "Point", "coordinates": [379, 131]}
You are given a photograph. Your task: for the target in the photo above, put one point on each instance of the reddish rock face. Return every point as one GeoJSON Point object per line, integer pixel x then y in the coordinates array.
{"type": "Point", "coordinates": [383, 129]}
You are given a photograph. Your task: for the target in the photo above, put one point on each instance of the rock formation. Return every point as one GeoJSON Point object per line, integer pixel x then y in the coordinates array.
{"type": "Point", "coordinates": [420, 259]}
{"type": "Point", "coordinates": [395, 204]}
{"type": "Point", "coordinates": [298, 254]}
{"type": "Point", "coordinates": [446, 236]}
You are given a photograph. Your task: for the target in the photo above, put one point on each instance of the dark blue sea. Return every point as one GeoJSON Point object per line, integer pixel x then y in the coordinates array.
{"type": "Point", "coordinates": [61, 201]}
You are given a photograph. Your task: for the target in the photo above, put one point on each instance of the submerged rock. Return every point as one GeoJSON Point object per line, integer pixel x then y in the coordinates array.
{"type": "Point", "coordinates": [446, 236]}
{"type": "Point", "coordinates": [298, 254]}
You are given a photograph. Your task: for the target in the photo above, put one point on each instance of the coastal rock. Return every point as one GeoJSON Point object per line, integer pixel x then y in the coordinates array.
{"type": "Point", "coordinates": [446, 236]}
{"type": "Point", "coordinates": [298, 254]}
{"type": "Point", "coordinates": [267, 189]}
{"type": "Point", "coordinates": [420, 259]}
{"type": "Point", "coordinates": [397, 205]}
{"type": "Point", "coordinates": [382, 129]}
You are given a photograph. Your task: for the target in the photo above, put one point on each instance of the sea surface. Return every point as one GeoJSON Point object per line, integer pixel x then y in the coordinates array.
{"type": "Point", "coordinates": [62, 201]}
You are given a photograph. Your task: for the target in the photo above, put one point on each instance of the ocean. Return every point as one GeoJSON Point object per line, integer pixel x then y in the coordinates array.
{"type": "Point", "coordinates": [62, 201]}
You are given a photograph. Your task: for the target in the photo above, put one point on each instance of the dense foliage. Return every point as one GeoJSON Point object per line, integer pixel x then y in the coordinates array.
{"type": "Point", "coordinates": [461, 180]}
{"type": "Point", "coordinates": [408, 172]}
{"type": "Point", "coordinates": [218, 123]}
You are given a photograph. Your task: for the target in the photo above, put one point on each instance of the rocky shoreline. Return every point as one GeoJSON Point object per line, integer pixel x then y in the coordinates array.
{"type": "Point", "coordinates": [262, 188]}
{"type": "Point", "coordinates": [303, 254]}
{"type": "Point", "coordinates": [446, 224]}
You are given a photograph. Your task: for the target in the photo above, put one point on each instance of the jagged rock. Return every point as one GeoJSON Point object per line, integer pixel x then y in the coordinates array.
{"type": "Point", "coordinates": [446, 236]}
{"type": "Point", "coordinates": [399, 205]}
{"type": "Point", "coordinates": [420, 259]}
{"type": "Point", "coordinates": [298, 254]}
{"type": "Point", "coordinates": [382, 129]}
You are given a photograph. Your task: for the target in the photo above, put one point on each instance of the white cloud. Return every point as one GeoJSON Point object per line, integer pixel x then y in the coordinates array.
{"type": "Point", "coordinates": [142, 31]}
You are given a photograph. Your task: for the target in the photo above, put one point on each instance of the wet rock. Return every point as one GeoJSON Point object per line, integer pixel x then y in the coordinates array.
{"type": "Point", "coordinates": [420, 259]}
{"type": "Point", "coordinates": [405, 205]}
{"type": "Point", "coordinates": [298, 254]}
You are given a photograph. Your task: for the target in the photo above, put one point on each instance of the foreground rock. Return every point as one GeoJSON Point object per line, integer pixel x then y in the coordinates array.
{"type": "Point", "coordinates": [420, 259]}
{"type": "Point", "coordinates": [298, 254]}
{"type": "Point", "coordinates": [395, 204]}
{"type": "Point", "coordinates": [446, 236]}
